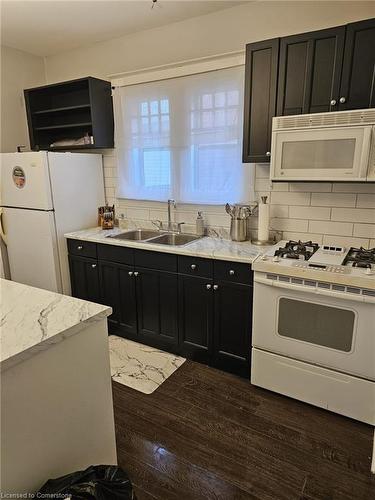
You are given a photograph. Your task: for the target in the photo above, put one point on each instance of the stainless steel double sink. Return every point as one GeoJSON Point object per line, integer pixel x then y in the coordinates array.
{"type": "Point", "coordinates": [157, 237]}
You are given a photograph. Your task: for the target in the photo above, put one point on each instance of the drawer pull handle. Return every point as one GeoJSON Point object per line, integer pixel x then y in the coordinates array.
{"type": "Point", "coordinates": [333, 102]}
{"type": "Point", "coordinates": [216, 287]}
{"type": "Point", "coordinates": [136, 273]}
{"type": "Point", "coordinates": [231, 272]}
{"type": "Point", "coordinates": [130, 273]}
{"type": "Point", "coordinates": [208, 286]}
{"type": "Point", "coordinates": [79, 247]}
{"type": "Point", "coordinates": [268, 153]}
{"type": "Point", "coordinates": [342, 100]}
{"type": "Point", "coordinates": [193, 266]}
{"type": "Point", "coordinates": [93, 266]}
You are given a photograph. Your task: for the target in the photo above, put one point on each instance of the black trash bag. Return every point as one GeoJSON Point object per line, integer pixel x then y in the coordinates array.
{"type": "Point", "coordinates": [99, 482]}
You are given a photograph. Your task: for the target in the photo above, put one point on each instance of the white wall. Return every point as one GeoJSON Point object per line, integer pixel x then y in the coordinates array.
{"type": "Point", "coordinates": [19, 70]}
{"type": "Point", "coordinates": [225, 31]}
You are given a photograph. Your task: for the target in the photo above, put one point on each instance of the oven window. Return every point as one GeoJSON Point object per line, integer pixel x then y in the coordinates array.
{"type": "Point", "coordinates": [317, 324]}
{"type": "Point", "coordinates": [318, 154]}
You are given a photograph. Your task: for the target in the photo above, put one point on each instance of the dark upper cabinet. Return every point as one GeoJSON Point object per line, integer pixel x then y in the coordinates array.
{"type": "Point", "coordinates": [195, 318]}
{"type": "Point", "coordinates": [309, 71]}
{"type": "Point", "coordinates": [69, 111]}
{"type": "Point", "coordinates": [260, 99]}
{"type": "Point", "coordinates": [358, 75]}
{"type": "Point", "coordinates": [316, 72]}
{"type": "Point", "coordinates": [232, 327]}
{"type": "Point", "coordinates": [157, 308]}
{"type": "Point", "coordinates": [84, 277]}
{"type": "Point", "coordinates": [117, 289]}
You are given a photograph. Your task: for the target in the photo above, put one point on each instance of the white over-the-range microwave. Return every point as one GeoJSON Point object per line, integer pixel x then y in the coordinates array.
{"type": "Point", "coordinates": [337, 146]}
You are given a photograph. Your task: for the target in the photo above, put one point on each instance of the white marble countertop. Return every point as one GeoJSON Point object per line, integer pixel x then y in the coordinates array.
{"type": "Point", "coordinates": [213, 248]}
{"type": "Point", "coordinates": [33, 319]}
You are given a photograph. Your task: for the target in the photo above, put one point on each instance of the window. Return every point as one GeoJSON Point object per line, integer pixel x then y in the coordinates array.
{"type": "Point", "coordinates": [181, 138]}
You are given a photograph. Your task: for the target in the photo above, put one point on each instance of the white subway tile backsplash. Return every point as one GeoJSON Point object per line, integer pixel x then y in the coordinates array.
{"type": "Point", "coordinates": [366, 200]}
{"type": "Point", "coordinates": [290, 198]}
{"type": "Point", "coordinates": [262, 171]}
{"type": "Point", "coordinates": [354, 214]}
{"type": "Point", "coordinates": [289, 225]}
{"type": "Point", "coordinates": [316, 238]}
{"type": "Point", "coordinates": [333, 199]}
{"type": "Point", "coordinates": [364, 230]}
{"type": "Point", "coordinates": [281, 211]}
{"type": "Point", "coordinates": [345, 241]}
{"type": "Point", "coordinates": [342, 213]}
{"type": "Point", "coordinates": [328, 227]}
{"type": "Point", "coordinates": [311, 187]}
{"type": "Point", "coordinates": [354, 187]}
{"type": "Point", "coordinates": [316, 213]}
{"type": "Point", "coordinates": [280, 186]}
{"type": "Point", "coordinates": [262, 184]}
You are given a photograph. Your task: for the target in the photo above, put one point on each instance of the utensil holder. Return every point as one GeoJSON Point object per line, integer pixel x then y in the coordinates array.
{"type": "Point", "coordinates": [238, 229]}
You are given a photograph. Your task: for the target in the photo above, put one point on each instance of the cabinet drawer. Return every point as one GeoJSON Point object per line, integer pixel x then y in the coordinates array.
{"type": "Point", "coordinates": [233, 271]}
{"type": "Point", "coordinates": [195, 266]}
{"type": "Point", "coordinates": [114, 253]}
{"type": "Point", "coordinates": [156, 260]}
{"type": "Point", "coordinates": [82, 248]}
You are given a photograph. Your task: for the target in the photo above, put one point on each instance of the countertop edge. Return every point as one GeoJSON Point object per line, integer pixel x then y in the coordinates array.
{"type": "Point", "coordinates": [51, 341]}
{"type": "Point", "coordinates": [176, 250]}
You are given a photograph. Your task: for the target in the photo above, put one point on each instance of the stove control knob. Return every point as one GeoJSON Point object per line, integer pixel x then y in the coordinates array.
{"type": "Point", "coordinates": [276, 258]}
{"type": "Point", "coordinates": [264, 257]}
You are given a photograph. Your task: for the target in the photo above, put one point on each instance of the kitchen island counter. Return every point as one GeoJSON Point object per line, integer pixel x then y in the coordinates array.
{"type": "Point", "coordinates": [33, 319]}
{"type": "Point", "coordinates": [56, 394]}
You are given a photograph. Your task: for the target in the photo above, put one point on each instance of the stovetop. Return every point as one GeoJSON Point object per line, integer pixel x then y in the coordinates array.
{"type": "Point", "coordinates": [333, 263]}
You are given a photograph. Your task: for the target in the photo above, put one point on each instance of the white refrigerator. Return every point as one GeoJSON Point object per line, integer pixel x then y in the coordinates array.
{"type": "Point", "coordinates": [42, 196]}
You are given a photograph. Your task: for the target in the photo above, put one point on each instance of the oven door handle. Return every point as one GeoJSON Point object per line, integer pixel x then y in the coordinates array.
{"type": "Point", "coordinates": [315, 290]}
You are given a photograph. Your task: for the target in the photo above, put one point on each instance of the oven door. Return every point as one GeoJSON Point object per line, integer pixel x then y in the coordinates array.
{"type": "Point", "coordinates": [318, 327]}
{"type": "Point", "coordinates": [321, 154]}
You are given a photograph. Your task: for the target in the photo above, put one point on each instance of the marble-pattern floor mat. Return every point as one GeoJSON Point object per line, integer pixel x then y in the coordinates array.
{"type": "Point", "coordinates": [139, 366]}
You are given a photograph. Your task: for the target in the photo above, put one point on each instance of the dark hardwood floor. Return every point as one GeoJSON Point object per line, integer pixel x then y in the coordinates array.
{"type": "Point", "coordinates": [205, 434]}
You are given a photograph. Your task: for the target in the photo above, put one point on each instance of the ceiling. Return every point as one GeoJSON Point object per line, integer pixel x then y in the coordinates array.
{"type": "Point", "coordinates": [48, 27]}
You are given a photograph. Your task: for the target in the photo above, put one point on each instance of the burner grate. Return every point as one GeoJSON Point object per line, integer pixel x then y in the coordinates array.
{"type": "Point", "coordinates": [360, 257]}
{"type": "Point", "coordinates": [302, 250]}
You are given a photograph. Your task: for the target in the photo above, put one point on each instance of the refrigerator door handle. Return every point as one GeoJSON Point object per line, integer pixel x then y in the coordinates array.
{"type": "Point", "coordinates": [2, 232]}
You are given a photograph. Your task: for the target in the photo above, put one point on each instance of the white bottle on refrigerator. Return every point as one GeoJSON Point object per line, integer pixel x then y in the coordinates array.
{"type": "Point", "coordinates": [43, 196]}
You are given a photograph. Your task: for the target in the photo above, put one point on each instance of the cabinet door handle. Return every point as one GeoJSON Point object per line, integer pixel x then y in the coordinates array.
{"type": "Point", "coordinates": [333, 102]}
{"type": "Point", "coordinates": [93, 266]}
{"type": "Point", "coordinates": [342, 100]}
{"type": "Point", "coordinates": [208, 286]}
{"type": "Point", "coordinates": [130, 273]}
{"type": "Point", "coordinates": [136, 273]}
{"type": "Point", "coordinates": [193, 266]}
{"type": "Point", "coordinates": [268, 153]}
{"type": "Point", "coordinates": [216, 287]}
{"type": "Point", "coordinates": [79, 247]}
{"type": "Point", "coordinates": [231, 272]}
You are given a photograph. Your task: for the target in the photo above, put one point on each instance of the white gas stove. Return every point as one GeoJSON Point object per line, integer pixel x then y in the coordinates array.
{"type": "Point", "coordinates": [314, 325]}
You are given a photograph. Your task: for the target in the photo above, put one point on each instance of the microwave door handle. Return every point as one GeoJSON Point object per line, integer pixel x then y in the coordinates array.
{"type": "Point", "coordinates": [314, 290]}
{"type": "Point", "coordinates": [2, 232]}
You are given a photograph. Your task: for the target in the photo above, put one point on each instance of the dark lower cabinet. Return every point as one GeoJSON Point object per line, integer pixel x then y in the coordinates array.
{"type": "Point", "coordinates": [358, 73]}
{"type": "Point", "coordinates": [84, 277]}
{"type": "Point", "coordinates": [117, 287]}
{"type": "Point", "coordinates": [232, 327]}
{"type": "Point", "coordinates": [157, 308]}
{"type": "Point", "coordinates": [198, 308]}
{"type": "Point", "coordinates": [195, 318]}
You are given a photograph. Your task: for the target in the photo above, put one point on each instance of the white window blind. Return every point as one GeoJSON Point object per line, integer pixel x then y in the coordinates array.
{"type": "Point", "coordinates": [182, 138]}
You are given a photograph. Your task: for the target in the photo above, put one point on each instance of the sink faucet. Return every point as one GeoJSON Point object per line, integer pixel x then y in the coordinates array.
{"type": "Point", "coordinates": [171, 203]}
